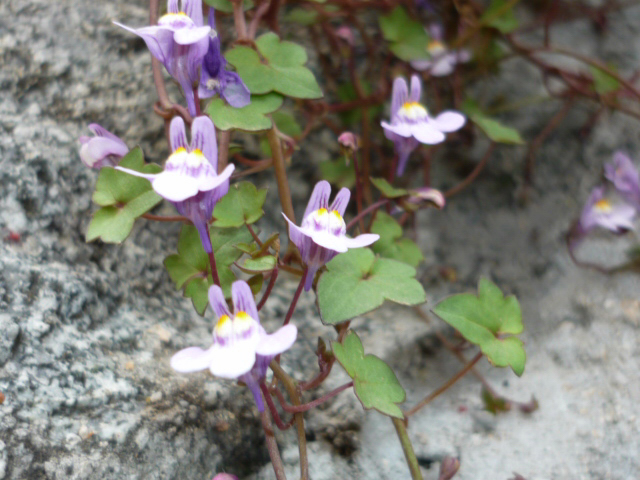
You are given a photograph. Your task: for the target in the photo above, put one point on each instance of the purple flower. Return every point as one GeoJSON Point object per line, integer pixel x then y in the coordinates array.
{"type": "Point", "coordinates": [411, 123]}
{"type": "Point", "coordinates": [441, 61]}
{"type": "Point", "coordinates": [600, 211]}
{"type": "Point", "coordinates": [190, 180]}
{"type": "Point", "coordinates": [624, 176]}
{"type": "Point", "coordinates": [103, 150]}
{"type": "Point", "coordinates": [215, 78]}
{"type": "Point", "coordinates": [323, 233]}
{"type": "Point", "coordinates": [241, 347]}
{"type": "Point", "coordinates": [179, 41]}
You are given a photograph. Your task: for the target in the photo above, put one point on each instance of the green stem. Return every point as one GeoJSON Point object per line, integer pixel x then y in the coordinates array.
{"type": "Point", "coordinates": [409, 454]}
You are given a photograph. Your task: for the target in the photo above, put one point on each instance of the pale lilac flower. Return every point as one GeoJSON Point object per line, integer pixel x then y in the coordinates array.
{"type": "Point", "coordinates": [241, 347]}
{"type": "Point", "coordinates": [323, 233]}
{"type": "Point", "coordinates": [349, 140]}
{"type": "Point", "coordinates": [225, 476]}
{"type": "Point", "coordinates": [441, 61]}
{"type": "Point", "coordinates": [411, 123]}
{"type": "Point", "coordinates": [624, 176]}
{"type": "Point", "coordinates": [427, 194]}
{"type": "Point", "coordinates": [604, 212]}
{"type": "Point", "coordinates": [103, 150]}
{"type": "Point", "coordinates": [179, 41]}
{"type": "Point", "coordinates": [215, 78]}
{"type": "Point", "coordinates": [190, 180]}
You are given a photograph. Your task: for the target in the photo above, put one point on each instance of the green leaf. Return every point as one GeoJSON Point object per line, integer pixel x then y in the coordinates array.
{"type": "Point", "coordinates": [243, 204]}
{"type": "Point", "coordinates": [357, 282]}
{"type": "Point", "coordinates": [484, 320]}
{"type": "Point", "coordinates": [500, 15]}
{"type": "Point", "coordinates": [392, 244]}
{"type": "Point", "coordinates": [226, 6]}
{"type": "Point", "coordinates": [375, 384]}
{"type": "Point", "coordinates": [603, 82]}
{"type": "Point", "coordinates": [492, 403]}
{"type": "Point", "coordinates": [277, 67]}
{"type": "Point", "coordinates": [338, 173]}
{"type": "Point", "coordinates": [303, 16]}
{"type": "Point", "coordinates": [387, 190]}
{"type": "Point", "coordinates": [259, 265]}
{"type": "Point", "coordinates": [251, 118]}
{"type": "Point", "coordinates": [189, 268]}
{"type": "Point", "coordinates": [123, 197]}
{"type": "Point", "coordinates": [407, 36]}
{"type": "Point", "coordinates": [493, 129]}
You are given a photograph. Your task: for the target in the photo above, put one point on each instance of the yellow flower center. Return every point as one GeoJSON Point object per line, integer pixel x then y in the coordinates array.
{"type": "Point", "coordinates": [603, 206]}
{"type": "Point", "coordinates": [413, 111]}
{"type": "Point", "coordinates": [242, 322]}
{"type": "Point", "coordinates": [436, 47]}
{"type": "Point", "coordinates": [224, 327]}
{"type": "Point", "coordinates": [336, 214]}
{"type": "Point", "coordinates": [321, 211]}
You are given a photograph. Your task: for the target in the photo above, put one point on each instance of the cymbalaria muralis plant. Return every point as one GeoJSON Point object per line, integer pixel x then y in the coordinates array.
{"type": "Point", "coordinates": [241, 73]}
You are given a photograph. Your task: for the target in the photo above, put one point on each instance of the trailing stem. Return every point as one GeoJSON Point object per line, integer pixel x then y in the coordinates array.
{"type": "Point", "coordinates": [407, 448]}
{"type": "Point", "coordinates": [281, 173]}
{"type": "Point", "coordinates": [272, 446]}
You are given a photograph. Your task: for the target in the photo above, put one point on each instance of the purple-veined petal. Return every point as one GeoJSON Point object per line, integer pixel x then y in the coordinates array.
{"type": "Point", "coordinates": [403, 158]}
{"type": "Point", "coordinates": [308, 279]}
{"type": "Point", "coordinates": [399, 95]}
{"type": "Point", "coordinates": [623, 174]}
{"type": "Point", "coordinates": [421, 65]}
{"type": "Point", "coordinates": [254, 386]}
{"type": "Point", "coordinates": [319, 197]}
{"type": "Point", "coordinates": [341, 201]}
{"type": "Point", "coordinates": [195, 54]}
{"type": "Point", "coordinates": [203, 138]}
{"type": "Point", "coordinates": [100, 131]}
{"type": "Point", "coordinates": [363, 240]}
{"type": "Point", "coordinates": [98, 148]}
{"type": "Point", "coordinates": [193, 8]}
{"type": "Point", "coordinates": [235, 92]}
{"type": "Point", "coordinates": [235, 359]}
{"type": "Point", "coordinates": [178, 134]}
{"type": "Point", "coordinates": [175, 186]}
{"type": "Point", "coordinates": [149, 176]}
{"type": "Point", "coordinates": [218, 302]}
{"type": "Point", "coordinates": [416, 88]}
{"type": "Point", "coordinates": [402, 129]}
{"type": "Point", "coordinates": [209, 182]}
{"type": "Point", "coordinates": [243, 300]}
{"type": "Point", "coordinates": [173, 6]}
{"type": "Point", "coordinates": [327, 240]}
{"type": "Point", "coordinates": [190, 36]}
{"type": "Point", "coordinates": [159, 40]}
{"type": "Point", "coordinates": [299, 237]}
{"type": "Point", "coordinates": [277, 342]}
{"type": "Point", "coordinates": [176, 22]}
{"type": "Point", "coordinates": [448, 121]}
{"type": "Point", "coordinates": [427, 134]}
{"type": "Point", "coordinates": [211, 19]}
{"type": "Point", "coordinates": [192, 359]}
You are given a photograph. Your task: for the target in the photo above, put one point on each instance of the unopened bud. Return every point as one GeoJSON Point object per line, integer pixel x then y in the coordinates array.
{"type": "Point", "coordinates": [225, 476]}
{"type": "Point", "coordinates": [448, 468]}
{"type": "Point", "coordinates": [349, 144]}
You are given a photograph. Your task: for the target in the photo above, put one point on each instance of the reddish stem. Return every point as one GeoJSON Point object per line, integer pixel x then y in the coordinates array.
{"type": "Point", "coordinates": [308, 406]}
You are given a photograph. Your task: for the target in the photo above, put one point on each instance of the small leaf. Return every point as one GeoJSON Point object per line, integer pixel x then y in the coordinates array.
{"type": "Point", "coordinates": [603, 82]}
{"type": "Point", "coordinates": [375, 384]}
{"type": "Point", "coordinates": [123, 197]}
{"type": "Point", "coordinates": [407, 36]}
{"type": "Point", "coordinates": [387, 190]}
{"type": "Point", "coordinates": [357, 282]}
{"type": "Point", "coordinates": [189, 268]}
{"type": "Point", "coordinates": [251, 118]}
{"type": "Point", "coordinates": [493, 129]}
{"type": "Point", "coordinates": [391, 243]}
{"type": "Point", "coordinates": [276, 66]}
{"type": "Point", "coordinates": [259, 265]}
{"type": "Point", "coordinates": [255, 283]}
{"type": "Point", "coordinates": [500, 16]}
{"type": "Point", "coordinates": [226, 6]}
{"type": "Point", "coordinates": [492, 403]}
{"type": "Point", "coordinates": [338, 173]}
{"type": "Point", "coordinates": [243, 204]}
{"type": "Point", "coordinates": [484, 320]}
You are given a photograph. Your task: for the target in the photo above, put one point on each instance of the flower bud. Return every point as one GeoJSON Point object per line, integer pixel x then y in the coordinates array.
{"type": "Point", "coordinates": [225, 476]}
{"type": "Point", "coordinates": [448, 468]}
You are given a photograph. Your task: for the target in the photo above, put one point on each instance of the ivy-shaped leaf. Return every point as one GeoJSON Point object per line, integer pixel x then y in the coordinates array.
{"type": "Point", "coordinates": [243, 204]}
{"type": "Point", "coordinates": [391, 243]}
{"type": "Point", "coordinates": [123, 198]}
{"type": "Point", "coordinates": [603, 82]}
{"type": "Point", "coordinates": [388, 190]}
{"type": "Point", "coordinates": [407, 36]}
{"type": "Point", "coordinates": [226, 6]}
{"type": "Point", "coordinates": [338, 173]}
{"type": "Point", "coordinates": [374, 383]}
{"type": "Point", "coordinates": [484, 320]}
{"type": "Point", "coordinates": [251, 118]}
{"type": "Point", "coordinates": [500, 15]}
{"type": "Point", "coordinates": [189, 268]}
{"type": "Point", "coordinates": [357, 282]}
{"type": "Point", "coordinates": [276, 66]}
{"type": "Point", "coordinates": [493, 129]}
{"type": "Point", "coordinates": [259, 265]}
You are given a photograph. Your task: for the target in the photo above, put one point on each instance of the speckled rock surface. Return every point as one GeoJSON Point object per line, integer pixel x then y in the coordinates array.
{"type": "Point", "coordinates": [86, 331]}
